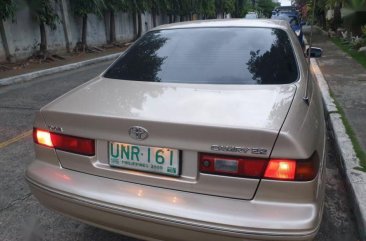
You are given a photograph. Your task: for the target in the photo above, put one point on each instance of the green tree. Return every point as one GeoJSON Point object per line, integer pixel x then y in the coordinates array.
{"type": "Point", "coordinates": [356, 17]}
{"type": "Point", "coordinates": [265, 7]}
{"type": "Point", "coordinates": [137, 7]}
{"type": "Point", "coordinates": [7, 10]}
{"type": "Point", "coordinates": [196, 8]}
{"type": "Point", "coordinates": [336, 5]}
{"type": "Point", "coordinates": [224, 6]}
{"type": "Point", "coordinates": [172, 8]}
{"type": "Point", "coordinates": [229, 6]}
{"type": "Point", "coordinates": [156, 7]}
{"type": "Point", "coordinates": [208, 9]}
{"type": "Point", "coordinates": [185, 9]}
{"type": "Point", "coordinates": [219, 6]}
{"type": "Point", "coordinates": [319, 11]}
{"type": "Point", "coordinates": [44, 13]}
{"type": "Point", "coordinates": [113, 6]}
{"type": "Point", "coordinates": [240, 9]}
{"type": "Point", "coordinates": [82, 8]}
{"type": "Point", "coordinates": [356, 4]}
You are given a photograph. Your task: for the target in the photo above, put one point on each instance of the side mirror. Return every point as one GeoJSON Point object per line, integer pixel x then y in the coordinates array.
{"type": "Point", "coordinates": [314, 52]}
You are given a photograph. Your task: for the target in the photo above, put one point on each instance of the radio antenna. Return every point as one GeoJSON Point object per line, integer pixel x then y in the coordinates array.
{"type": "Point", "coordinates": [308, 52]}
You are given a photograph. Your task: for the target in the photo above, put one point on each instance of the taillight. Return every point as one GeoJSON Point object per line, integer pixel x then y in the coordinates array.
{"type": "Point", "coordinates": [62, 142]}
{"type": "Point", "coordinates": [277, 169]}
{"type": "Point", "coordinates": [42, 137]}
{"type": "Point", "coordinates": [281, 169]}
{"type": "Point", "coordinates": [232, 165]}
{"type": "Point", "coordinates": [293, 170]}
{"type": "Point", "coordinates": [307, 170]}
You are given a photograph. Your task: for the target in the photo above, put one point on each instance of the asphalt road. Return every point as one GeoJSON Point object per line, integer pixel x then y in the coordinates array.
{"type": "Point", "coordinates": [23, 218]}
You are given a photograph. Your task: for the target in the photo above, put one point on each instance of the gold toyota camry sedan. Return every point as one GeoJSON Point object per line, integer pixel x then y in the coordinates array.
{"type": "Point", "coordinates": [206, 130]}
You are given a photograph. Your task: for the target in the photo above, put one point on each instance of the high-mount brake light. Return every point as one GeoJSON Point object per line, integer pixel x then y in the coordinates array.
{"type": "Point", "coordinates": [77, 145]}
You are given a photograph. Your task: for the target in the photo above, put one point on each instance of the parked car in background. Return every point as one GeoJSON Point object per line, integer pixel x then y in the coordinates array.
{"type": "Point", "coordinates": [199, 131]}
{"type": "Point", "coordinates": [294, 22]}
{"type": "Point", "coordinates": [285, 9]}
{"type": "Point", "coordinates": [251, 15]}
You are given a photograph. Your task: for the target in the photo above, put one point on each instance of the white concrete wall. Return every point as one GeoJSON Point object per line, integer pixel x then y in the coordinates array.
{"type": "Point", "coordinates": [24, 37]}
{"type": "Point", "coordinates": [96, 32]}
{"type": "Point", "coordinates": [124, 27]}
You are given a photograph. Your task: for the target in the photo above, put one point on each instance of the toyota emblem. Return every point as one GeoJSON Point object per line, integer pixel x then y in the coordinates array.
{"type": "Point", "coordinates": [138, 133]}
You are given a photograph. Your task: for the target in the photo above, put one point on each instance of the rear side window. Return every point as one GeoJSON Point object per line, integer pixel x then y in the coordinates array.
{"type": "Point", "coordinates": [211, 56]}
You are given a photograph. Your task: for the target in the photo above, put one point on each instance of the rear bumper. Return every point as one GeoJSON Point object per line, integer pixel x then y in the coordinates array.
{"type": "Point", "coordinates": [160, 214]}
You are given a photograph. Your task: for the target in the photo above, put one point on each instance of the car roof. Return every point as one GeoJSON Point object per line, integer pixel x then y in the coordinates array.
{"type": "Point", "coordinates": [261, 23]}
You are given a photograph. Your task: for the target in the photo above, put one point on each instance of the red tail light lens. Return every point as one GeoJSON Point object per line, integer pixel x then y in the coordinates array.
{"type": "Point", "coordinates": [307, 170]}
{"type": "Point", "coordinates": [278, 169]}
{"type": "Point", "coordinates": [232, 165]}
{"type": "Point", "coordinates": [281, 169]}
{"type": "Point", "coordinates": [62, 142]}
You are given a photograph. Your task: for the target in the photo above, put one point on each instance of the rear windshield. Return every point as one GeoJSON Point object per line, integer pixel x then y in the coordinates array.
{"type": "Point", "coordinates": [209, 55]}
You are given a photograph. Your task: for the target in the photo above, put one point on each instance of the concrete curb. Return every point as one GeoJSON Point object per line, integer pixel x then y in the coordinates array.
{"type": "Point", "coordinates": [330, 106]}
{"type": "Point", "coordinates": [54, 70]}
{"type": "Point", "coordinates": [355, 180]}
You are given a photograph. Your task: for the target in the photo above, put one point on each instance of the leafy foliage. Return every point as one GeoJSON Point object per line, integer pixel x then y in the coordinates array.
{"type": "Point", "coordinates": [137, 6]}
{"type": "Point", "coordinates": [208, 8]}
{"type": "Point", "coordinates": [363, 30]}
{"type": "Point", "coordinates": [205, 8]}
{"type": "Point", "coordinates": [356, 4]}
{"type": "Point", "coordinates": [352, 20]}
{"type": "Point", "coordinates": [44, 12]}
{"type": "Point", "coordinates": [156, 6]}
{"type": "Point", "coordinates": [115, 5]}
{"type": "Point", "coordinates": [172, 7]}
{"type": "Point", "coordinates": [228, 6]}
{"type": "Point", "coordinates": [240, 9]}
{"type": "Point", "coordinates": [266, 7]}
{"type": "Point", "coordinates": [7, 9]}
{"type": "Point", "coordinates": [84, 7]}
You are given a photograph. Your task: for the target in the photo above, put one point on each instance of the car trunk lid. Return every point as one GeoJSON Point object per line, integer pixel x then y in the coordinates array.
{"type": "Point", "coordinates": [190, 118]}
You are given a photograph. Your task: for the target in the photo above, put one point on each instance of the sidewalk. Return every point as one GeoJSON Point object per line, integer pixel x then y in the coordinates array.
{"type": "Point", "coordinates": [44, 69]}
{"type": "Point", "coordinates": [347, 80]}
{"type": "Point", "coordinates": [25, 66]}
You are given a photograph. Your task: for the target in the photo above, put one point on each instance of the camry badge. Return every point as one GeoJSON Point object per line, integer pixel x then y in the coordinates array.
{"type": "Point", "coordinates": [55, 128]}
{"type": "Point", "coordinates": [239, 149]}
{"type": "Point", "coordinates": [138, 133]}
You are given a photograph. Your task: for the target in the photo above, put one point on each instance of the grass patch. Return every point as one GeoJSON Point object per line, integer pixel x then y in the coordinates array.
{"type": "Point", "coordinates": [360, 153]}
{"type": "Point", "coordinates": [359, 57]}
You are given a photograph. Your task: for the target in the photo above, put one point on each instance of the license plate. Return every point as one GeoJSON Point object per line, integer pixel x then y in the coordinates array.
{"type": "Point", "coordinates": [144, 158]}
